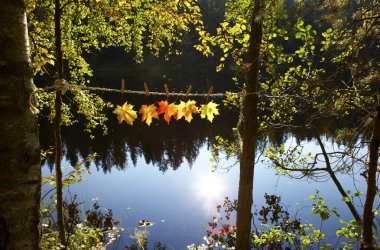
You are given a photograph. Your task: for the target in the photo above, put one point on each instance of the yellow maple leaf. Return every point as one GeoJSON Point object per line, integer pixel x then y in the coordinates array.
{"type": "Point", "coordinates": [169, 110]}
{"type": "Point", "coordinates": [209, 110]}
{"type": "Point", "coordinates": [187, 110]}
{"type": "Point", "coordinates": [181, 110]}
{"type": "Point", "coordinates": [125, 113]}
{"type": "Point", "coordinates": [148, 113]}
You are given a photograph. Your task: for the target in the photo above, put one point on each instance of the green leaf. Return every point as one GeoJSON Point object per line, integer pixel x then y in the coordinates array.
{"type": "Point", "coordinates": [264, 86]}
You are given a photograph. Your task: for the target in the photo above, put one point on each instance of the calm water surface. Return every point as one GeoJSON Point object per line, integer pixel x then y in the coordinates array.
{"type": "Point", "coordinates": [183, 200]}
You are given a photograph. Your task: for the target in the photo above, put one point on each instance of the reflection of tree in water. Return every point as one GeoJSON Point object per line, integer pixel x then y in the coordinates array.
{"type": "Point", "coordinates": [162, 145]}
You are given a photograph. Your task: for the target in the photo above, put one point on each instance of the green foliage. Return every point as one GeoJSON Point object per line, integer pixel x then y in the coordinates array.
{"type": "Point", "coordinates": [311, 66]}
{"type": "Point", "coordinates": [73, 176]}
{"type": "Point", "coordinates": [352, 231]}
{"type": "Point", "coordinates": [287, 159]}
{"type": "Point", "coordinates": [277, 229]}
{"type": "Point", "coordinates": [46, 102]}
{"type": "Point", "coordinates": [94, 24]}
{"type": "Point", "coordinates": [232, 100]}
{"type": "Point", "coordinates": [224, 150]}
{"type": "Point", "coordinates": [93, 107]}
{"type": "Point", "coordinates": [96, 231]}
{"type": "Point", "coordinates": [89, 25]}
{"type": "Point", "coordinates": [81, 234]}
{"type": "Point", "coordinates": [141, 238]}
{"type": "Point", "coordinates": [320, 209]}
{"type": "Point", "coordinates": [275, 238]}
{"type": "Point", "coordinates": [83, 238]}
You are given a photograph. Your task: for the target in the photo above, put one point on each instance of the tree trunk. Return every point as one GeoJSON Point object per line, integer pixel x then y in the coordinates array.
{"type": "Point", "coordinates": [57, 123]}
{"type": "Point", "coordinates": [20, 178]}
{"type": "Point", "coordinates": [249, 128]}
{"type": "Point", "coordinates": [368, 215]}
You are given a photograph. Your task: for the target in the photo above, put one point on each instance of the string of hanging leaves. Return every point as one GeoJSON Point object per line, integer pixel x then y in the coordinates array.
{"type": "Point", "coordinates": [184, 110]}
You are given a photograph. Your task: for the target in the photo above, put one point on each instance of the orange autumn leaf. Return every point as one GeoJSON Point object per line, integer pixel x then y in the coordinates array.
{"type": "Point", "coordinates": [187, 110]}
{"type": "Point", "coordinates": [148, 113]}
{"type": "Point", "coordinates": [125, 113]}
{"type": "Point", "coordinates": [169, 110]}
{"type": "Point", "coordinates": [162, 107]}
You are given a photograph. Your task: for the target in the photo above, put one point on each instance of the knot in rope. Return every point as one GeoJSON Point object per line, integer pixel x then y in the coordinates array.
{"type": "Point", "coordinates": [61, 85]}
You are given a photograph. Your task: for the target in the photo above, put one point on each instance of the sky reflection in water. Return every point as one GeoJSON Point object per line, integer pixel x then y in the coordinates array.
{"type": "Point", "coordinates": [209, 190]}
{"type": "Point", "coordinates": [183, 201]}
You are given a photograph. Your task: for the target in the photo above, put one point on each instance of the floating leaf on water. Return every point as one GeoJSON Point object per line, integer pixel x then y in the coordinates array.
{"type": "Point", "coordinates": [145, 223]}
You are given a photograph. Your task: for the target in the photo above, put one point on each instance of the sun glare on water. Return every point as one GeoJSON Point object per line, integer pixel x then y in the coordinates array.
{"type": "Point", "coordinates": [210, 190]}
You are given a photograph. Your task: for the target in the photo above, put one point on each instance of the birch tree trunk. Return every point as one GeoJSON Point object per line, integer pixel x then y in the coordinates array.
{"type": "Point", "coordinates": [20, 175]}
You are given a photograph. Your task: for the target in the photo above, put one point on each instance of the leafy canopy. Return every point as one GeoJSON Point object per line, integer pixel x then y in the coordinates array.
{"type": "Point", "coordinates": [89, 25]}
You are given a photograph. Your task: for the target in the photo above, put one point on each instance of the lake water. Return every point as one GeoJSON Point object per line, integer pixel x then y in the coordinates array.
{"type": "Point", "coordinates": [163, 173]}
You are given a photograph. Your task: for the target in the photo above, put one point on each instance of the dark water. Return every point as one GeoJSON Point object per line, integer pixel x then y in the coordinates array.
{"type": "Point", "coordinates": [162, 173]}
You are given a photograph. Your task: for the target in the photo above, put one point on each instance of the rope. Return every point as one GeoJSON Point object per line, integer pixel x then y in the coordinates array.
{"type": "Point", "coordinates": [65, 85]}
